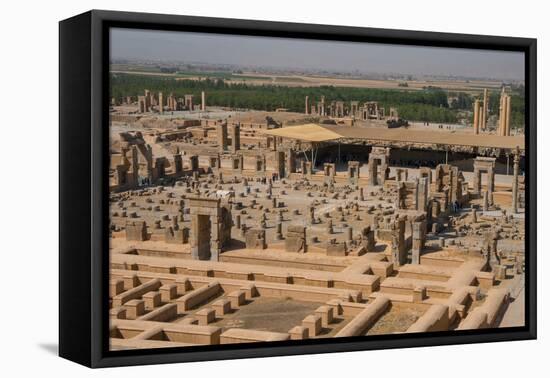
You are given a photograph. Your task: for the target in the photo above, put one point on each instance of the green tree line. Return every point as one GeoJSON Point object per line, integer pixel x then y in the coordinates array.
{"type": "Point", "coordinates": [427, 105]}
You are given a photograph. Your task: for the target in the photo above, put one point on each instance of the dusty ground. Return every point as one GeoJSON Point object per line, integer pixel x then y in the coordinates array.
{"type": "Point", "coordinates": [269, 314]}
{"type": "Point", "coordinates": [395, 320]}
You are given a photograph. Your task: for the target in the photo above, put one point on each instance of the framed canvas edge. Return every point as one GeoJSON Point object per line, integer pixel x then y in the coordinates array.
{"type": "Point", "coordinates": [101, 20]}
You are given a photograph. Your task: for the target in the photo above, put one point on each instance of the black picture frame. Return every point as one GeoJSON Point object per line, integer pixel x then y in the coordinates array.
{"type": "Point", "coordinates": [83, 197]}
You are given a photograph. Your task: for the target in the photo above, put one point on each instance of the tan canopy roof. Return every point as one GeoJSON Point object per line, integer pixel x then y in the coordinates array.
{"type": "Point", "coordinates": [309, 132]}
{"type": "Point", "coordinates": [402, 135]}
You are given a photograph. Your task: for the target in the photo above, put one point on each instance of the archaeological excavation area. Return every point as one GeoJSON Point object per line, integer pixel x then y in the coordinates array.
{"type": "Point", "coordinates": [271, 227]}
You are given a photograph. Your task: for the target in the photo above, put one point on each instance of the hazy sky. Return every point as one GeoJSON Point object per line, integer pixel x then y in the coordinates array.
{"type": "Point", "coordinates": [312, 54]}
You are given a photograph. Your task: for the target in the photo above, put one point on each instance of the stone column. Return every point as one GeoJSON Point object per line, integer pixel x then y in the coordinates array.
{"type": "Point", "coordinates": [161, 103]}
{"type": "Point", "coordinates": [477, 181]}
{"type": "Point", "coordinates": [508, 115]}
{"type": "Point", "coordinates": [236, 138]}
{"type": "Point", "coordinates": [178, 163]}
{"type": "Point", "coordinates": [330, 229]}
{"type": "Point", "coordinates": [500, 116]}
{"type": "Point", "coordinates": [238, 221]}
{"type": "Point", "coordinates": [422, 193]}
{"type": "Point", "coordinates": [290, 163]}
{"type": "Point", "coordinates": [485, 108]}
{"type": "Point", "coordinates": [279, 231]}
{"type": "Point", "coordinates": [515, 184]}
{"type": "Point", "coordinates": [372, 172]}
{"type": "Point", "coordinates": [504, 115]}
{"type": "Point", "coordinates": [203, 101]}
{"type": "Point", "coordinates": [349, 234]}
{"type": "Point", "coordinates": [418, 238]}
{"type": "Point", "coordinates": [194, 163]}
{"type": "Point", "coordinates": [307, 105]}
{"type": "Point", "coordinates": [222, 137]}
{"type": "Point", "coordinates": [398, 248]}
{"type": "Point", "coordinates": [490, 183]}
{"type": "Point", "coordinates": [279, 157]}
{"type": "Point", "coordinates": [476, 117]}
{"type": "Point", "coordinates": [311, 215]}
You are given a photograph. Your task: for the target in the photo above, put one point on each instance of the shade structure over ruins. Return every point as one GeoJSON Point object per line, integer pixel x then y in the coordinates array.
{"type": "Point", "coordinates": [428, 137]}
{"type": "Point", "coordinates": [316, 133]}
{"type": "Point", "coordinates": [309, 132]}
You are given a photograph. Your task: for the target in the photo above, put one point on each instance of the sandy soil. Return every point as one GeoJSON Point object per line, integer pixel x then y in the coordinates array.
{"type": "Point", "coordinates": [269, 314]}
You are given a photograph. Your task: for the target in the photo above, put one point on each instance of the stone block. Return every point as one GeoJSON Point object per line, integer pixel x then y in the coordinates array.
{"type": "Point", "coordinates": [336, 249]}
{"type": "Point", "coordinates": [151, 299]}
{"type": "Point", "coordinates": [313, 323]}
{"type": "Point", "coordinates": [419, 294]}
{"type": "Point", "coordinates": [237, 298]}
{"type": "Point", "coordinates": [134, 308]}
{"type": "Point", "coordinates": [327, 315]}
{"type": "Point", "coordinates": [168, 292]}
{"type": "Point", "coordinates": [222, 306]}
{"type": "Point", "coordinates": [116, 287]}
{"type": "Point", "coordinates": [299, 333]}
{"type": "Point", "coordinates": [205, 316]}
{"type": "Point", "coordinates": [117, 313]}
{"type": "Point", "coordinates": [255, 239]}
{"type": "Point", "coordinates": [295, 240]}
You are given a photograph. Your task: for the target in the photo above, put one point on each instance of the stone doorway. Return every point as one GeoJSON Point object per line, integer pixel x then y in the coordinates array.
{"type": "Point", "coordinates": [204, 230]}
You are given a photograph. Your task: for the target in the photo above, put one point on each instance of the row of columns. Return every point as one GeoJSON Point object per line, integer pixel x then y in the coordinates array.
{"type": "Point", "coordinates": [480, 113]}
{"type": "Point", "coordinates": [145, 102]}
{"type": "Point", "coordinates": [221, 134]}
{"type": "Point", "coordinates": [505, 114]}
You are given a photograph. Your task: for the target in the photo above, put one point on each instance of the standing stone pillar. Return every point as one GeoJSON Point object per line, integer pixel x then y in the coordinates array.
{"type": "Point", "coordinates": [238, 221]}
{"type": "Point", "coordinates": [222, 137]}
{"type": "Point", "coordinates": [203, 101]}
{"type": "Point", "coordinates": [508, 115]}
{"type": "Point", "coordinates": [349, 234]}
{"type": "Point", "coordinates": [279, 231]}
{"type": "Point", "coordinates": [368, 239]}
{"type": "Point", "coordinates": [515, 183]}
{"type": "Point", "coordinates": [161, 103]}
{"type": "Point", "coordinates": [194, 163]}
{"type": "Point", "coordinates": [236, 138]}
{"type": "Point", "coordinates": [178, 163]}
{"type": "Point", "coordinates": [290, 163]}
{"type": "Point", "coordinates": [476, 116]}
{"type": "Point", "coordinates": [505, 112]}
{"type": "Point", "coordinates": [484, 110]}
{"type": "Point", "coordinates": [419, 228]}
{"type": "Point", "coordinates": [372, 172]}
{"type": "Point", "coordinates": [422, 193]}
{"type": "Point", "coordinates": [477, 181]}
{"type": "Point", "coordinates": [330, 229]}
{"type": "Point", "coordinates": [491, 184]}
{"type": "Point", "coordinates": [398, 247]}
{"type": "Point", "coordinates": [311, 215]}
{"type": "Point", "coordinates": [485, 201]}
{"type": "Point", "coordinates": [501, 116]}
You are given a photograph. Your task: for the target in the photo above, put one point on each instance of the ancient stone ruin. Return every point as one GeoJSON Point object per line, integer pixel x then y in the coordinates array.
{"type": "Point", "coordinates": [219, 224]}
